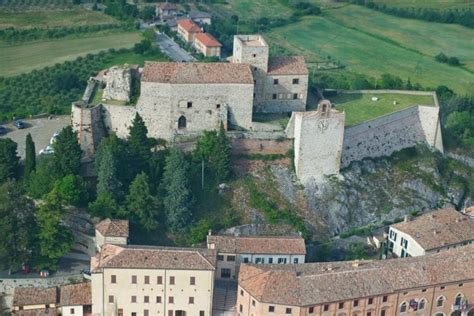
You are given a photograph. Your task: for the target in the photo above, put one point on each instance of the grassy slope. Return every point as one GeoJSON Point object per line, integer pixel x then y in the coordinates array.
{"type": "Point", "coordinates": [360, 107]}
{"type": "Point", "coordinates": [251, 9]}
{"type": "Point", "coordinates": [53, 18]}
{"type": "Point", "coordinates": [26, 57]}
{"type": "Point", "coordinates": [371, 48]}
{"type": "Point", "coordinates": [431, 4]}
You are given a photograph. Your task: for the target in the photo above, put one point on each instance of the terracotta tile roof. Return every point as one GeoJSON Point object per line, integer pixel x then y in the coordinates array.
{"type": "Point", "coordinates": [76, 294]}
{"type": "Point", "coordinates": [113, 227]}
{"type": "Point", "coordinates": [148, 257]}
{"type": "Point", "coordinates": [318, 283]}
{"type": "Point", "coordinates": [189, 26]}
{"type": "Point", "coordinates": [186, 73]}
{"type": "Point", "coordinates": [258, 245]}
{"type": "Point", "coordinates": [283, 65]}
{"type": "Point", "coordinates": [37, 312]}
{"type": "Point", "coordinates": [439, 228]}
{"type": "Point", "coordinates": [34, 296]}
{"type": "Point", "coordinates": [207, 40]}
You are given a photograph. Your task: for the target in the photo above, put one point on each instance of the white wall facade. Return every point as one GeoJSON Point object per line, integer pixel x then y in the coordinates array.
{"type": "Point", "coordinates": [77, 310]}
{"type": "Point", "coordinates": [412, 248]}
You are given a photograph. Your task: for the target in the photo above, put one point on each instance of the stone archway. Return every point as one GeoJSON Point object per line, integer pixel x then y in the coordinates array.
{"type": "Point", "coordinates": [456, 313]}
{"type": "Point", "coordinates": [182, 122]}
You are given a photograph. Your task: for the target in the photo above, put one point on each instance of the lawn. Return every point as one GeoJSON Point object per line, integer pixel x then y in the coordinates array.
{"type": "Point", "coordinates": [385, 45]}
{"type": "Point", "coordinates": [22, 58]}
{"type": "Point", "coordinates": [360, 107]}
{"type": "Point", "coordinates": [53, 18]}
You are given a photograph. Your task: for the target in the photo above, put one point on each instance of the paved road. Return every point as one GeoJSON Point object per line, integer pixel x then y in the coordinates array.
{"type": "Point", "coordinates": [173, 50]}
{"type": "Point", "coordinates": [41, 130]}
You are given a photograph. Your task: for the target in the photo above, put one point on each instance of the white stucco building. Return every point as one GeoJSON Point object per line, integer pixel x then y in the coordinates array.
{"type": "Point", "coordinates": [431, 232]}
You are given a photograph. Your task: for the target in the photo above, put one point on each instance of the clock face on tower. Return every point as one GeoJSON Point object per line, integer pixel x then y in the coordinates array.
{"type": "Point", "coordinates": [323, 124]}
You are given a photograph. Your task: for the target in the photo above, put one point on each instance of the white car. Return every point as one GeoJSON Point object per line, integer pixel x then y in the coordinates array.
{"type": "Point", "coordinates": [47, 150]}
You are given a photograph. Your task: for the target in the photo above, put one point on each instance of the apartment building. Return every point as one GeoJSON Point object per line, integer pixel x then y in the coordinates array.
{"type": "Point", "coordinates": [207, 45]}
{"type": "Point", "coordinates": [438, 284]}
{"type": "Point", "coordinates": [431, 232]}
{"type": "Point", "coordinates": [111, 231]}
{"type": "Point", "coordinates": [143, 281]}
{"type": "Point", "coordinates": [187, 30]}
{"type": "Point", "coordinates": [232, 251]}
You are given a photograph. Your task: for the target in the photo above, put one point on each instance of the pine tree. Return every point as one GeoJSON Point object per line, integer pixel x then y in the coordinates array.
{"type": "Point", "coordinates": [139, 144]}
{"type": "Point", "coordinates": [8, 159]}
{"type": "Point", "coordinates": [67, 152]}
{"type": "Point", "coordinates": [107, 179]}
{"type": "Point", "coordinates": [17, 225]}
{"type": "Point", "coordinates": [30, 156]}
{"type": "Point", "coordinates": [178, 198]}
{"type": "Point", "coordinates": [140, 204]}
{"type": "Point", "coordinates": [222, 156]}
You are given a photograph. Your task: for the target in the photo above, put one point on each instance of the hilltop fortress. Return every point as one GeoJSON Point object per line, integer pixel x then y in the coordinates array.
{"type": "Point", "coordinates": [179, 100]}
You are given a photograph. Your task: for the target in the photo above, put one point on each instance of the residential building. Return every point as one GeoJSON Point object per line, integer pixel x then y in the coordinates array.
{"type": "Point", "coordinates": [187, 30]}
{"type": "Point", "coordinates": [438, 284]}
{"type": "Point", "coordinates": [35, 301]}
{"type": "Point", "coordinates": [166, 11]}
{"type": "Point", "coordinates": [111, 231]}
{"type": "Point", "coordinates": [143, 281]}
{"type": "Point", "coordinates": [232, 251]}
{"type": "Point", "coordinates": [200, 17]}
{"type": "Point", "coordinates": [76, 299]}
{"type": "Point", "coordinates": [207, 45]}
{"type": "Point", "coordinates": [431, 232]}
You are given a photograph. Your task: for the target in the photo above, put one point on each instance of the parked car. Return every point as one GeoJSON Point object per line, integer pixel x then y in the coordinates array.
{"type": "Point", "coordinates": [3, 130]}
{"type": "Point", "coordinates": [19, 124]}
{"type": "Point", "coordinates": [47, 150]}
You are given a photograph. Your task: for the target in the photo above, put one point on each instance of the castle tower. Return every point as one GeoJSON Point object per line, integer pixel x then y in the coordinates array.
{"type": "Point", "coordinates": [253, 50]}
{"type": "Point", "coordinates": [318, 140]}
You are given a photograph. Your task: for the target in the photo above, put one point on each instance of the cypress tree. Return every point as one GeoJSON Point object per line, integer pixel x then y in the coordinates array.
{"type": "Point", "coordinates": [67, 152]}
{"type": "Point", "coordinates": [30, 156]}
{"type": "Point", "coordinates": [140, 204]}
{"type": "Point", "coordinates": [222, 156]}
{"type": "Point", "coordinates": [8, 159]}
{"type": "Point", "coordinates": [139, 144]}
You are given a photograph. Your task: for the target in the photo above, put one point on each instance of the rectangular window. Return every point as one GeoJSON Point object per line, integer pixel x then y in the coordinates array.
{"type": "Point", "coordinates": [259, 260]}
{"type": "Point", "coordinates": [146, 299]}
{"type": "Point", "coordinates": [385, 299]}
{"type": "Point", "coordinates": [253, 302]}
{"type": "Point", "coordinates": [191, 300]}
{"type": "Point", "coordinates": [371, 301]}
{"type": "Point", "coordinates": [134, 299]}
{"type": "Point", "coordinates": [218, 106]}
{"type": "Point", "coordinates": [111, 298]}
{"type": "Point", "coordinates": [113, 279]}
{"type": "Point", "coordinates": [190, 105]}
{"type": "Point", "coordinates": [120, 312]}
{"type": "Point", "coordinates": [201, 313]}
{"type": "Point", "coordinates": [158, 299]}
{"type": "Point", "coordinates": [192, 280]}
{"type": "Point", "coordinates": [281, 260]}
{"type": "Point", "coordinates": [159, 280]}
{"type": "Point", "coordinates": [170, 313]}
{"type": "Point", "coordinates": [460, 284]}
{"type": "Point", "coordinates": [255, 82]}
{"type": "Point", "coordinates": [171, 300]}
{"type": "Point", "coordinates": [220, 258]}
{"type": "Point", "coordinates": [274, 96]}
{"type": "Point", "coordinates": [225, 273]}
{"type": "Point", "coordinates": [341, 305]}
{"type": "Point", "coordinates": [326, 307]}
{"type": "Point", "coordinates": [270, 260]}
{"type": "Point", "coordinates": [134, 279]}
{"type": "Point", "coordinates": [296, 81]}
{"type": "Point", "coordinates": [311, 310]}
{"type": "Point", "coordinates": [246, 260]}
{"type": "Point", "coordinates": [369, 313]}
{"type": "Point", "coordinates": [295, 96]}
{"type": "Point", "coordinates": [382, 313]}
{"type": "Point", "coordinates": [356, 303]}
{"type": "Point", "coordinates": [134, 314]}
{"type": "Point", "coordinates": [275, 81]}
{"type": "Point", "coordinates": [147, 279]}
{"type": "Point", "coordinates": [295, 260]}
{"type": "Point", "coordinates": [72, 311]}
{"type": "Point", "coordinates": [241, 292]}
{"type": "Point", "coordinates": [172, 280]}
{"type": "Point", "coordinates": [288, 310]}
{"type": "Point", "coordinates": [231, 258]}
{"type": "Point", "coordinates": [241, 308]}
{"type": "Point", "coordinates": [145, 312]}
{"type": "Point", "coordinates": [442, 288]}
{"type": "Point", "coordinates": [271, 309]}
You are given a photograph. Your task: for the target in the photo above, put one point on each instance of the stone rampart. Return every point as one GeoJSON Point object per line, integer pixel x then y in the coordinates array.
{"type": "Point", "coordinates": [87, 122]}
{"type": "Point", "coordinates": [118, 84]}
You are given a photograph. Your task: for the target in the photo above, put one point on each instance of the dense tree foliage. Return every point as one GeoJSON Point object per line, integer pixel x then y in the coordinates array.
{"type": "Point", "coordinates": [42, 179]}
{"type": "Point", "coordinates": [71, 190]}
{"type": "Point", "coordinates": [452, 61]}
{"type": "Point", "coordinates": [141, 207]}
{"type": "Point", "coordinates": [8, 159]}
{"type": "Point", "coordinates": [120, 9]}
{"type": "Point", "coordinates": [30, 156]}
{"type": "Point", "coordinates": [67, 152]}
{"type": "Point", "coordinates": [139, 144]}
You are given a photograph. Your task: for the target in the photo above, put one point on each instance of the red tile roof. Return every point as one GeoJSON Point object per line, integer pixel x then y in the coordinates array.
{"type": "Point", "coordinates": [76, 294]}
{"type": "Point", "coordinates": [189, 26]}
{"type": "Point", "coordinates": [36, 312]}
{"type": "Point", "coordinates": [113, 228]}
{"type": "Point", "coordinates": [285, 65]}
{"type": "Point", "coordinates": [258, 245]}
{"type": "Point", "coordinates": [34, 296]}
{"type": "Point", "coordinates": [207, 40]}
{"type": "Point", "coordinates": [186, 73]}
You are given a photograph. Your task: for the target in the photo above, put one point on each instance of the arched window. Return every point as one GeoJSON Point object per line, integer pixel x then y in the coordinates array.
{"type": "Point", "coordinates": [181, 122]}
{"type": "Point", "coordinates": [458, 299]}
{"type": "Point", "coordinates": [440, 301]}
{"type": "Point", "coordinates": [439, 314]}
{"type": "Point", "coordinates": [421, 304]}
{"type": "Point", "coordinates": [403, 307]}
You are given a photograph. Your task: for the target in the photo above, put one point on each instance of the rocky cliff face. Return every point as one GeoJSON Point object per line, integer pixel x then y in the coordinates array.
{"type": "Point", "coordinates": [378, 191]}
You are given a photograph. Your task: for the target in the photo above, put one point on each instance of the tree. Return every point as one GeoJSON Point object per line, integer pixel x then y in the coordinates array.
{"type": "Point", "coordinates": [147, 13]}
{"type": "Point", "coordinates": [55, 240]}
{"type": "Point", "coordinates": [453, 61]}
{"type": "Point", "coordinates": [8, 159]}
{"type": "Point", "coordinates": [178, 199]}
{"type": "Point", "coordinates": [107, 180]}
{"type": "Point", "coordinates": [139, 144]}
{"type": "Point", "coordinates": [41, 180]}
{"type": "Point", "coordinates": [441, 58]}
{"type": "Point", "coordinates": [104, 206]}
{"type": "Point", "coordinates": [67, 152]}
{"type": "Point", "coordinates": [30, 156]}
{"type": "Point", "coordinates": [17, 226]}
{"type": "Point", "coordinates": [140, 204]}
{"type": "Point", "coordinates": [71, 190]}
{"type": "Point", "coordinates": [222, 156]}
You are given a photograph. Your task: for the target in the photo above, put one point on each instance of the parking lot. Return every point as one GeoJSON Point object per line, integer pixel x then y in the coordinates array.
{"type": "Point", "coordinates": [41, 130]}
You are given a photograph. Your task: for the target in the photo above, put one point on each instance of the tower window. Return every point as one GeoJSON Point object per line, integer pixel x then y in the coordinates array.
{"type": "Point", "coordinates": [190, 105]}
{"type": "Point", "coordinates": [275, 81]}
{"type": "Point", "coordinates": [295, 96]}
{"type": "Point", "coordinates": [254, 55]}
{"type": "Point", "coordinates": [296, 81]}
{"type": "Point", "coordinates": [218, 106]}
{"type": "Point", "coordinates": [274, 96]}
{"type": "Point", "coordinates": [181, 125]}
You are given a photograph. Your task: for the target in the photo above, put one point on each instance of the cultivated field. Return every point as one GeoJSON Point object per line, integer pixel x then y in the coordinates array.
{"type": "Point", "coordinates": [431, 4]}
{"type": "Point", "coordinates": [372, 43]}
{"type": "Point", "coordinates": [53, 18]}
{"type": "Point", "coordinates": [22, 58]}
{"type": "Point", "coordinates": [360, 107]}
{"type": "Point", "coordinates": [250, 9]}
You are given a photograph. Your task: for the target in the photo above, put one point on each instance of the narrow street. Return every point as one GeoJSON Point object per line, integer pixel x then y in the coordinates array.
{"type": "Point", "coordinates": [172, 49]}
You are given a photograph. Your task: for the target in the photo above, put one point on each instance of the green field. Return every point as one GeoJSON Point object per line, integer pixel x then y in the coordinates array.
{"type": "Point", "coordinates": [26, 57]}
{"type": "Point", "coordinates": [250, 9]}
{"type": "Point", "coordinates": [53, 18]}
{"type": "Point", "coordinates": [431, 4]}
{"type": "Point", "coordinates": [372, 43]}
{"type": "Point", "coordinates": [360, 107]}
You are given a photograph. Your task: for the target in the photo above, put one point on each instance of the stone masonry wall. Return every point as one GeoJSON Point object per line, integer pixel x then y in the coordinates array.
{"type": "Point", "coordinates": [260, 146]}
{"type": "Point", "coordinates": [88, 124]}
{"type": "Point", "coordinates": [118, 84]}
{"type": "Point", "coordinates": [118, 118]}
{"type": "Point", "coordinates": [284, 91]}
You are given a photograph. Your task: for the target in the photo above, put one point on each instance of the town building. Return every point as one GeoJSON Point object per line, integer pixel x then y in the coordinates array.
{"type": "Point", "coordinates": [187, 30]}
{"type": "Point", "coordinates": [166, 11]}
{"type": "Point", "coordinates": [111, 231]}
{"type": "Point", "coordinates": [207, 45]}
{"type": "Point", "coordinates": [76, 299]}
{"type": "Point", "coordinates": [431, 232]}
{"type": "Point", "coordinates": [234, 250]}
{"type": "Point", "coordinates": [200, 17]}
{"type": "Point", "coordinates": [439, 284]}
{"type": "Point", "coordinates": [143, 281]}
{"type": "Point", "coordinates": [32, 301]}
